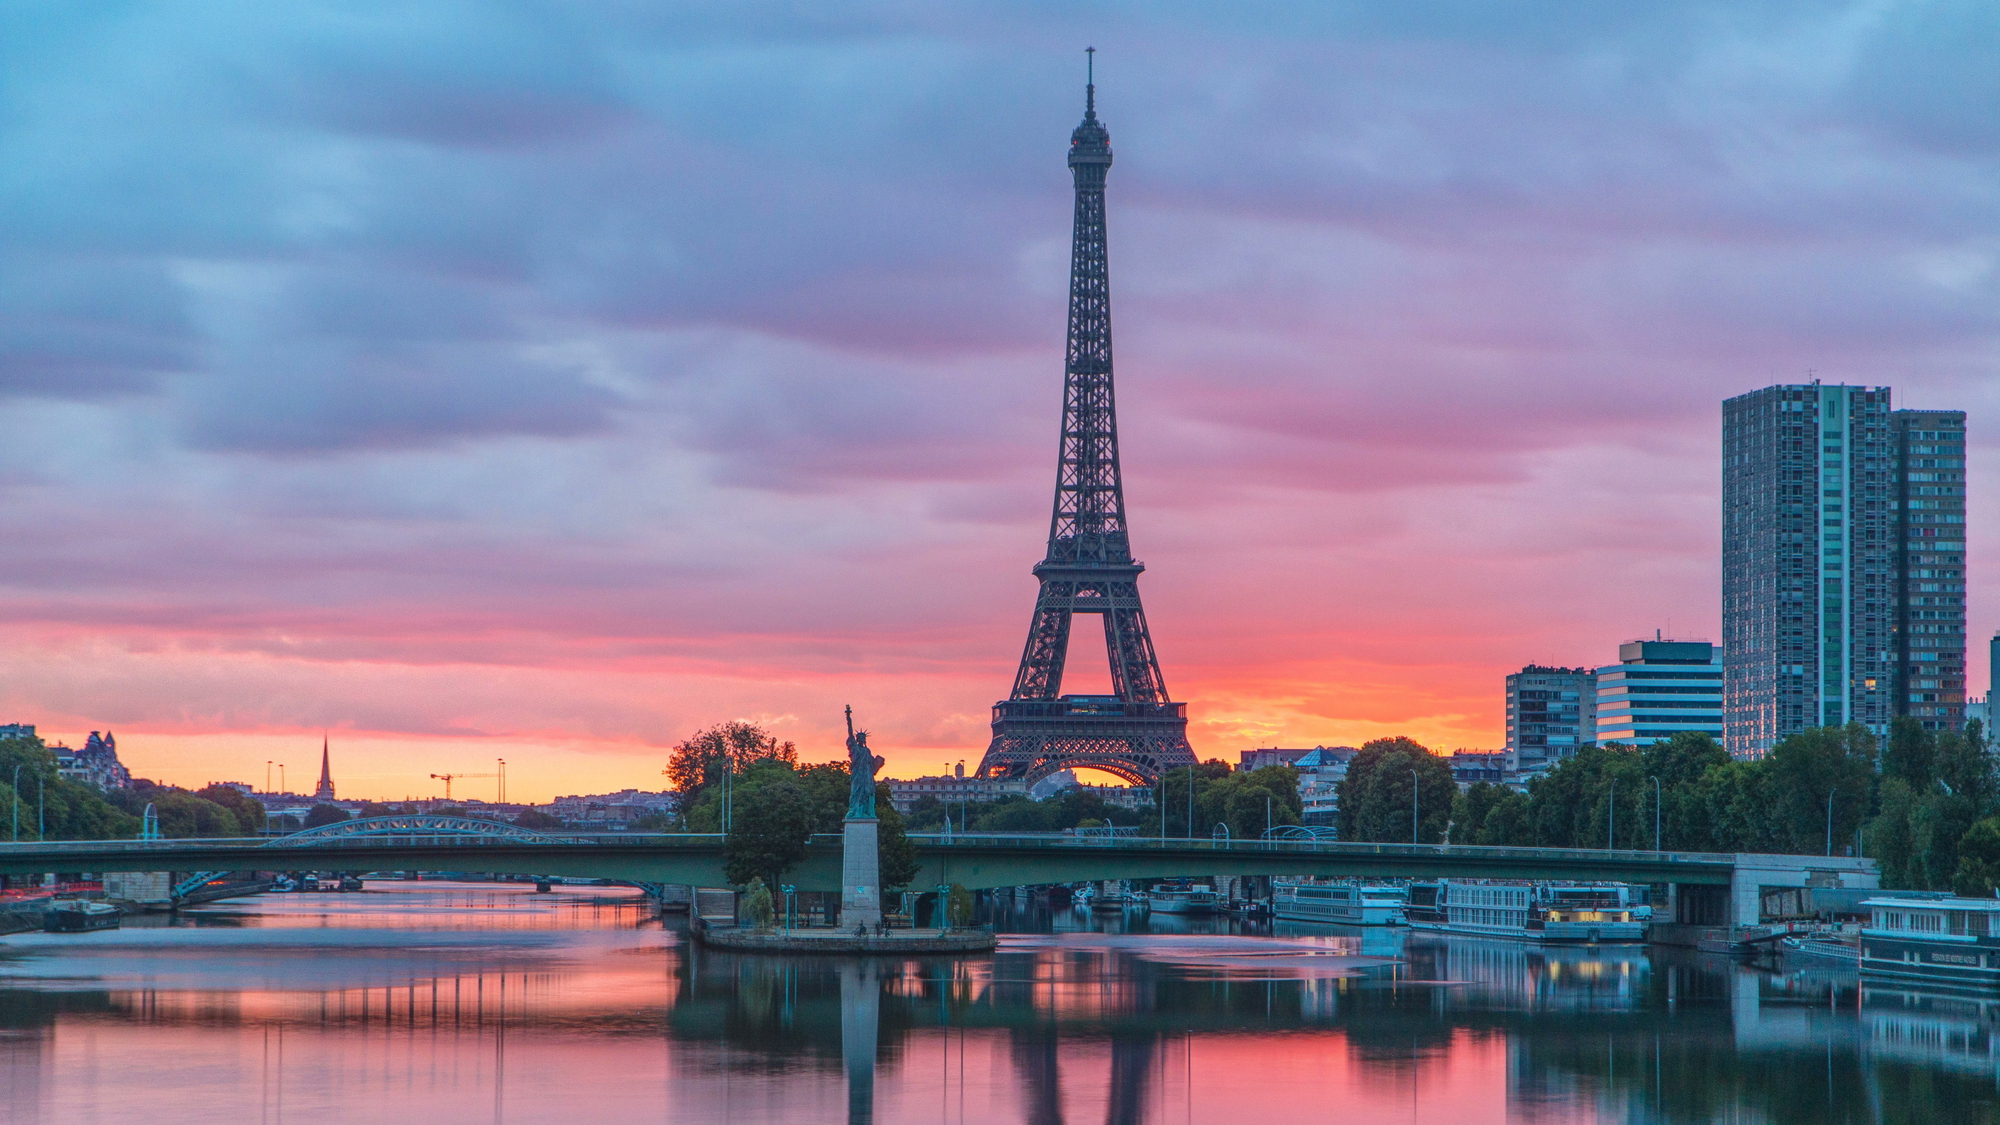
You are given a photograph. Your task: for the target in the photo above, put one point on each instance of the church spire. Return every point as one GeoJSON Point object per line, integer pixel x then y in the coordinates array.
{"type": "Point", "coordinates": [325, 790]}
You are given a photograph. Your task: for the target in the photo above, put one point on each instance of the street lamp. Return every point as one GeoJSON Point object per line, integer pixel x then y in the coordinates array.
{"type": "Point", "coordinates": [17, 802]}
{"type": "Point", "coordinates": [1413, 806]}
{"type": "Point", "coordinates": [790, 890]}
{"type": "Point", "coordinates": [1656, 812]}
{"type": "Point", "coordinates": [943, 918]}
{"type": "Point", "coordinates": [1829, 818]}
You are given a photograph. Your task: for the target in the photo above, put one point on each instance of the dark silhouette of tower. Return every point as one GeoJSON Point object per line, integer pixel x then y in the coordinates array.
{"type": "Point", "coordinates": [325, 790]}
{"type": "Point", "coordinates": [1136, 732]}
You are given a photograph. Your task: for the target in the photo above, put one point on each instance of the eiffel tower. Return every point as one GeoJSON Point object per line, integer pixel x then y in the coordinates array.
{"type": "Point", "coordinates": [1136, 732]}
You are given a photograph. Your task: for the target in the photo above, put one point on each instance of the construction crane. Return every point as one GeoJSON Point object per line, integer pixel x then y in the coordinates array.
{"type": "Point", "coordinates": [448, 778]}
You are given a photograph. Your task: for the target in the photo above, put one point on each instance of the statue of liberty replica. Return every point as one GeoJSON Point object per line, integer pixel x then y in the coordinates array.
{"type": "Point", "coordinates": [861, 857]}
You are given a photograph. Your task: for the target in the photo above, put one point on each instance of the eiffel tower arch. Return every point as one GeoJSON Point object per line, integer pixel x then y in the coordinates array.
{"type": "Point", "coordinates": [1137, 732]}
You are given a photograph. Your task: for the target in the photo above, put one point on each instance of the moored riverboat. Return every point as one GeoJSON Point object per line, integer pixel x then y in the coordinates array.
{"type": "Point", "coordinates": [1354, 904]}
{"type": "Point", "coordinates": [75, 916]}
{"type": "Point", "coordinates": [1938, 940]}
{"type": "Point", "coordinates": [1198, 898]}
{"type": "Point", "coordinates": [1579, 913]}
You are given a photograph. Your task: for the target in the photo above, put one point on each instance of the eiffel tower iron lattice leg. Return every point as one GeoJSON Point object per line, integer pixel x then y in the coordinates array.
{"type": "Point", "coordinates": [1137, 732]}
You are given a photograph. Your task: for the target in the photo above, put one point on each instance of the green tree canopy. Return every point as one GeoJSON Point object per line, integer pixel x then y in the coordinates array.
{"type": "Point", "coordinates": [701, 760]}
{"type": "Point", "coordinates": [1376, 795]}
{"type": "Point", "coordinates": [772, 825]}
{"type": "Point", "coordinates": [66, 810]}
{"type": "Point", "coordinates": [323, 814]}
{"type": "Point", "coordinates": [248, 811]}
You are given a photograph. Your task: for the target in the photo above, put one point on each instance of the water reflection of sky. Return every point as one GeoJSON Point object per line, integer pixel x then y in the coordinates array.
{"type": "Point", "coordinates": [472, 1002]}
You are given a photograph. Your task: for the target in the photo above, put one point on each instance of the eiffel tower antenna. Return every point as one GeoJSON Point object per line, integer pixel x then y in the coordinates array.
{"type": "Point", "coordinates": [1137, 732]}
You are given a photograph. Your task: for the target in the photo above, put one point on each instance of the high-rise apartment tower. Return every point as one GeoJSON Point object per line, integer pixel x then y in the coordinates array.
{"type": "Point", "coordinates": [1550, 712]}
{"type": "Point", "coordinates": [1930, 623]}
{"type": "Point", "coordinates": [1820, 578]}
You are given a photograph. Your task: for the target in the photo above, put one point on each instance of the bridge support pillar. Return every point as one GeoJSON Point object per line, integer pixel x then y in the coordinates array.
{"type": "Point", "coordinates": [860, 873]}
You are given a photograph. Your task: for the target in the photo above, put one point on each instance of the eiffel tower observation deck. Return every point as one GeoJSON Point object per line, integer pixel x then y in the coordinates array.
{"type": "Point", "coordinates": [1137, 732]}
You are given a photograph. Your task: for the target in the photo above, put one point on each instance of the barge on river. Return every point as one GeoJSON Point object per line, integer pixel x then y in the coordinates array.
{"type": "Point", "coordinates": [1571, 913]}
{"type": "Point", "coordinates": [75, 916]}
{"type": "Point", "coordinates": [1354, 904]}
{"type": "Point", "coordinates": [1198, 898]}
{"type": "Point", "coordinates": [1938, 940]}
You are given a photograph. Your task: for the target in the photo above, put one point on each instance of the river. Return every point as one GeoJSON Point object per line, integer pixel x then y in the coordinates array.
{"type": "Point", "coordinates": [442, 1002]}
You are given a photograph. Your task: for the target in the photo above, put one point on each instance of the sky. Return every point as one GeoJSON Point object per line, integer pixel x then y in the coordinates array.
{"type": "Point", "coordinates": [549, 381]}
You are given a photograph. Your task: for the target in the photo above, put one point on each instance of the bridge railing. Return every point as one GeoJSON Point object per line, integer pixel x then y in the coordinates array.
{"type": "Point", "coordinates": [1312, 847]}
{"type": "Point", "coordinates": [380, 840]}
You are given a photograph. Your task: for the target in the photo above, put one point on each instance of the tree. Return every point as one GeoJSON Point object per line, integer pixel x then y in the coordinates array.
{"type": "Point", "coordinates": [542, 822]}
{"type": "Point", "coordinates": [186, 816]}
{"type": "Point", "coordinates": [958, 906]}
{"type": "Point", "coordinates": [1911, 753]}
{"type": "Point", "coordinates": [755, 909]}
{"type": "Point", "coordinates": [68, 810]}
{"type": "Point", "coordinates": [898, 855]}
{"type": "Point", "coordinates": [1470, 810]}
{"type": "Point", "coordinates": [1891, 839]}
{"type": "Point", "coordinates": [702, 760]}
{"type": "Point", "coordinates": [772, 824]}
{"type": "Point", "coordinates": [1965, 768]}
{"type": "Point", "coordinates": [1507, 823]}
{"type": "Point", "coordinates": [1978, 873]}
{"type": "Point", "coordinates": [1375, 796]}
{"type": "Point", "coordinates": [323, 814]}
{"type": "Point", "coordinates": [1678, 764]}
{"type": "Point", "coordinates": [248, 811]}
{"type": "Point", "coordinates": [1811, 766]}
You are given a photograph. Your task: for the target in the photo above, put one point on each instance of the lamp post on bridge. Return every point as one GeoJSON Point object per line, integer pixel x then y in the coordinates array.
{"type": "Point", "coordinates": [1656, 812]}
{"type": "Point", "coordinates": [1829, 818]}
{"type": "Point", "coordinates": [1414, 795]}
{"type": "Point", "coordinates": [790, 890]}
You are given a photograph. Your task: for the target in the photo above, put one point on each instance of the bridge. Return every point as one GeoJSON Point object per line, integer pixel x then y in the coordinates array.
{"type": "Point", "coordinates": [1705, 888]}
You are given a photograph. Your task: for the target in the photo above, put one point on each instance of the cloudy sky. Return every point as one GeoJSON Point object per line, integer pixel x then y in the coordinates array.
{"type": "Point", "coordinates": [549, 380]}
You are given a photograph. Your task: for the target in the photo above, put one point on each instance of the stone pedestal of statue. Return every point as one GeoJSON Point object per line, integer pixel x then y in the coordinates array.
{"type": "Point", "coordinates": [860, 874]}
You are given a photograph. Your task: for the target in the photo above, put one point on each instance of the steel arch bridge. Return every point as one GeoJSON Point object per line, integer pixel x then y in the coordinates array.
{"type": "Point", "coordinates": [401, 828]}
{"type": "Point", "coordinates": [421, 826]}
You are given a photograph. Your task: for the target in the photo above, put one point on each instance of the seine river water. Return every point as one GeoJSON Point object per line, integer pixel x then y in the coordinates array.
{"type": "Point", "coordinates": [473, 1002]}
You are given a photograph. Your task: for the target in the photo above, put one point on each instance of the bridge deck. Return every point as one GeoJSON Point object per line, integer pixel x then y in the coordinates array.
{"type": "Point", "coordinates": [976, 860]}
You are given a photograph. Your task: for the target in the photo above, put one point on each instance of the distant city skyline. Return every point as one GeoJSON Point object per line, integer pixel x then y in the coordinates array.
{"type": "Point", "coordinates": [470, 398]}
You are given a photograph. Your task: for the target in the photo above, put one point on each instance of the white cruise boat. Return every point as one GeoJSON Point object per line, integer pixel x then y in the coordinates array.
{"type": "Point", "coordinates": [1196, 899]}
{"type": "Point", "coordinates": [1585, 913]}
{"type": "Point", "coordinates": [1353, 904]}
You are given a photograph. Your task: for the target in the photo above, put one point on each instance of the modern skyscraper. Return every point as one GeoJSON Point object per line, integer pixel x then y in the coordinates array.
{"type": "Point", "coordinates": [1816, 567]}
{"type": "Point", "coordinates": [1930, 622]}
{"type": "Point", "coordinates": [1658, 689]}
{"type": "Point", "coordinates": [1550, 712]}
